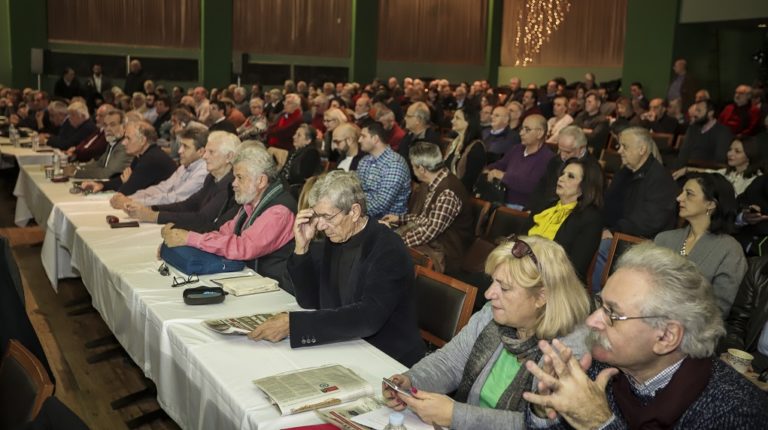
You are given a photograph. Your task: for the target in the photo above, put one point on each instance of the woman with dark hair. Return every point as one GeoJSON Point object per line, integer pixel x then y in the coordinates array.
{"type": "Point", "coordinates": [744, 165]}
{"type": "Point", "coordinates": [574, 220]}
{"type": "Point", "coordinates": [708, 206]}
{"type": "Point", "coordinates": [465, 156]}
{"type": "Point", "coordinates": [304, 161]}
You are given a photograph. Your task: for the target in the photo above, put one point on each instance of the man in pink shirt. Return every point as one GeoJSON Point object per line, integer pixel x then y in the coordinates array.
{"type": "Point", "coordinates": [261, 234]}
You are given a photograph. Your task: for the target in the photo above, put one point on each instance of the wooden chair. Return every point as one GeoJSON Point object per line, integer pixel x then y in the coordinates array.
{"type": "Point", "coordinates": [610, 160]}
{"type": "Point", "coordinates": [706, 164]}
{"type": "Point", "coordinates": [664, 141]}
{"type": "Point", "coordinates": [24, 386]}
{"type": "Point", "coordinates": [444, 305]}
{"type": "Point", "coordinates": [679, 142]}
{"type": "Point", "coordinates": [505, 221]}
{"type": "Point", "coordinates": [421, 259]}
{"type": "Point", "coordinates": [480, 210]}
{"type": "Point", "coordinates": [620, 244]}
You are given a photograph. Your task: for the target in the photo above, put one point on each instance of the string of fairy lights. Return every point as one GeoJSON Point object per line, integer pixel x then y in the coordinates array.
{"type": "Point", "coordinates": [536, 21]}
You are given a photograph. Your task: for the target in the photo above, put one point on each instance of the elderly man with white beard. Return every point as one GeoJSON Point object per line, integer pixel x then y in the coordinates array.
{"type": "Point", "coordinates": [261, 234]}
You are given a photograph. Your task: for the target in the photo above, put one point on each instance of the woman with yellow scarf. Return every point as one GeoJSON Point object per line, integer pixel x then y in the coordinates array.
{"type": "Point", "coordinates": [574, 220]}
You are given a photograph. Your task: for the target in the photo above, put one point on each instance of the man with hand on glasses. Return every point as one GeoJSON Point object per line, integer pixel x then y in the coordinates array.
{"type": "Point", "coordinates": [653, 338]}
{"type": "Point", "coordinates": [357, 281]}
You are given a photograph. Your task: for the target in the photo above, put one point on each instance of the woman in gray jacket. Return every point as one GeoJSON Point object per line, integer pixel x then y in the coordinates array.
{"type": "Point", "coordinates": [535, 295]}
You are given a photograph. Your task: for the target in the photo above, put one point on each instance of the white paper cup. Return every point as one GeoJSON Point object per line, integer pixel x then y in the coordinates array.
{"type": "Point", "coordinates": [739, 360]}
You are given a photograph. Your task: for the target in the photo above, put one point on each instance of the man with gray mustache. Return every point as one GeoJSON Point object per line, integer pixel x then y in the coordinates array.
{"type": "Point", "coordinates": [653, 338]}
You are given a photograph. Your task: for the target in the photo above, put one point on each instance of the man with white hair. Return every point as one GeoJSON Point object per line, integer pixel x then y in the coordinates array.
{"type": "Point", "coordinates": [417, 124]}
{"type": "Point", "coordinates": [210, 207]}
{"type": "Point", "coordinates": [741, 116]}
{"type": "Point", "coordinates": [75, 128]}
{"type": "Point", "coordinates": [652, 362]}
{"type": "Point", "coordinates": [261, 234]}
{"type": "Point", "coordinates": [95, 144]}
{"type": "Point", "coordinates": [114, 159]}
{"type": "Point", "coordinates": [202, 105]}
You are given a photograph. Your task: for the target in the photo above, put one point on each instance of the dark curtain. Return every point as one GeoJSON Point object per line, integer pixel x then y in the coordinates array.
{"type": "Point", "coordinates": [164, 23]}
{"type": "Point", "coordinates": [591, 35]}
{"type": "Point", "coordinates": [433, 31]}
{"type": "Point", "coordinates": [292, 27]}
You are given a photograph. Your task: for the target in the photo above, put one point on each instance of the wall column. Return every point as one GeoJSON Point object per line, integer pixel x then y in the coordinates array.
{"type": "Point", "coordinates": [215, 64]}
{"type": "Point", "coordinates": [365, 39]}
{"type": "Point", "coordinates": [649, 44]}
{"type": "Point", "coordinates": [23, 26]}
{"type": "Point", "coordinates": [493, 41]}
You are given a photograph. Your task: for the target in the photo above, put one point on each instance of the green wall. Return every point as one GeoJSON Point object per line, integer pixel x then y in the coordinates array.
{"type": "Point", "coordinates": [452, 72]}
{"type": "Point", "coordinates": [22, 27]}
{"type": "Point", "coordinates": [648, 44]}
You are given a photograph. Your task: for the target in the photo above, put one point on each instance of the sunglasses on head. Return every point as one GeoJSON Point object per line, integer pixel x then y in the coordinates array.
{"type": "Point", "coordinates": [521, 249]}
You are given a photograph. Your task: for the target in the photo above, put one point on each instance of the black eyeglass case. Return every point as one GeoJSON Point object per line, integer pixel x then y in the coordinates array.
{"type": "Point", "coordinates": [204, 295]}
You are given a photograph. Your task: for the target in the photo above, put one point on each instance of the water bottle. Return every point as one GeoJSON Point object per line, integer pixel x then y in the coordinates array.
{"type": "Point", "coordinates": [35, 142]}
{"type": "Point", "coordinates": [13, 134]}
{"type": "Point", "coordinates": [57, 163]}
{"type": "Point", "coordinates": [396, 420]}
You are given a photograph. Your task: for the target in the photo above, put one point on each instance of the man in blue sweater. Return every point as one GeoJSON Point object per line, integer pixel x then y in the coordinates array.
{"type": "Point", "coordinates": [653, 338]}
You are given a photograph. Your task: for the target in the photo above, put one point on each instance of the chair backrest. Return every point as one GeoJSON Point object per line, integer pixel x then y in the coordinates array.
{"type": "Point", "coordinates": [444, 305]}
{"type": "Point", "coordinates": [619, 245]}
{"type": "Point", "coordinates": [679, 142]}
{"type": "Point", "coordinates": [664, 141]}
{"type": "Point", "coordinates": [610, 160]}
{"type": "Point", "coordinates": [480, 210]}
{"type": "Point", "coordinates": [706, 164]}
{"type": "Point", "coordinates": [421, 259]}
{"type": "Point", "coordinates": [505, 221]}
{"type": "Point", "coordinates": [24, 385]}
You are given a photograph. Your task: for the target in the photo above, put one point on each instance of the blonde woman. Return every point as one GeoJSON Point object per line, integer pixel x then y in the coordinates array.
{"type": "Point", "coordinates": [535, 295]}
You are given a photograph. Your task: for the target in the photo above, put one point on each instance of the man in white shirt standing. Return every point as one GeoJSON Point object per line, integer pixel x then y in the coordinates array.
{"type": "Point", "coordinates": [184, 182]}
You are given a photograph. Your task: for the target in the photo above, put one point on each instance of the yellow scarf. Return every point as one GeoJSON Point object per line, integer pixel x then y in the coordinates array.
{"type": "Point", "coordinates": [548, 221]}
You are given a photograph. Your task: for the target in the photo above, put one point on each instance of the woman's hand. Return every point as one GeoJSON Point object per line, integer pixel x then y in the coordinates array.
{"type": "Point", "coordinates": [431, 407]}
{"type": "Point", "coordinates": [677, 174]}
{"type": "Point", "coordinates": [391, 398]}
{"type": "Point", "coordinates": [494, 174]}
{"type": "Point", "coordinates": [304, 229]}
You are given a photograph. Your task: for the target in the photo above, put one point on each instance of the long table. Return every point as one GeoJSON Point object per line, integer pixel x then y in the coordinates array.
{"type": "Point", "coordinates": [204, 379]}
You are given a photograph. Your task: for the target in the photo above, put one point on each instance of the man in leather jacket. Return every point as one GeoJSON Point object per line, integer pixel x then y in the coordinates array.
{"type": "Point", "coordinates": [746, 325]}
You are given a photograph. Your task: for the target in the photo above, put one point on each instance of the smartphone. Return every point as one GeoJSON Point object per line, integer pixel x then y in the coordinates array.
{"type": "Point", "coordinates": [124, 224]}
{"type": "Point", "coordinates": [391, 384]}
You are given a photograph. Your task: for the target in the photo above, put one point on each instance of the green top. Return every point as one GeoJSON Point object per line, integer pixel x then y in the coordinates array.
{"type": "Point", "coordinates": [503, 372]}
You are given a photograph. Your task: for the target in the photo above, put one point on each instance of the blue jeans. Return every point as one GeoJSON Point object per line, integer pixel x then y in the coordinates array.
{"type": "Point", "coordinates": [602, 257]}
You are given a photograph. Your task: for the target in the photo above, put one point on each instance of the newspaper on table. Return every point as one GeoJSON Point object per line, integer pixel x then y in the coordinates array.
{"type": "Point", "coordinates": [378, 419]}
{"type": "Point", "coordinates": [342, 416]}
{"type": "Point", "coordinates": [238, 325]}
{"type": "Point", "coordinates": [314, 388]}
{"type": "Point", "coordinates": [248, 284]}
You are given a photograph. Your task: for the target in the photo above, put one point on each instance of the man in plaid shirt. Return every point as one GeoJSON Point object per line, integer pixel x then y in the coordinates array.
{"type": "Point", "coordinates": [440, 222]}
{"type": "Point", "coordinates": [383, 173]}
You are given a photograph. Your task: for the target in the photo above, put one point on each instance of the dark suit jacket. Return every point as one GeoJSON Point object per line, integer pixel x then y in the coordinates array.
{"type": "Point", "coordinates": [206, 210]}
{"type": "Point", "coordinates": [149, 168]}
{"type": "Point", "coordinates": [579, 235]}
{"type": "Point", "coordinates": [749, 313]}
{"type": "Point", "coordinates": [223, 126]}
{"type": "Point", "coordinates": [382, 312]}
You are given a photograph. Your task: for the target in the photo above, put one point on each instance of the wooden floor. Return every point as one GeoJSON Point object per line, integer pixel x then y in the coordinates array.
{"type": "Point", "coordinates": [86, 388]}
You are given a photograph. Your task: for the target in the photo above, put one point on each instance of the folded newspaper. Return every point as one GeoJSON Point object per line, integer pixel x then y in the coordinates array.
{"type": "Point", "coordinates": [238, 325]}
{"type": "Point", "coordinates": [248, 284]}
{"type": "Point", "coordinates": [342, 416]}
{"type": "Point", "coordinates": [314, 388]}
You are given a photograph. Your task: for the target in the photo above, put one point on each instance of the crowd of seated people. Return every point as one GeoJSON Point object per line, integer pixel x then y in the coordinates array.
{"type": "Point", "coordinates": [222, 169]}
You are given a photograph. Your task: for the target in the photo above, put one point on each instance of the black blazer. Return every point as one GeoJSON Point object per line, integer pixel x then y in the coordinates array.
{"type": "Point", "coordinates": [383, 311]}
{"type": "Point", "coordinates": [580, 236]}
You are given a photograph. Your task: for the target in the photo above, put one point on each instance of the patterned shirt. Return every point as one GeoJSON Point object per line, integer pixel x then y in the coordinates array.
{"type": "Point", "coordinates": [433, 219]}
{"type": "Point", "coordinates": [386, 182]}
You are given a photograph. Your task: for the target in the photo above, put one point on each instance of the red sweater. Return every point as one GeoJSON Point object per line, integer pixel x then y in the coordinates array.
{"type": "Point", "coordinates": [731, 117]}
{"type": "Point", "coordinates": [280, 134]}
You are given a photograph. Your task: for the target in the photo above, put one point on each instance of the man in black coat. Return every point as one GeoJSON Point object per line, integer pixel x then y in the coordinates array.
{"type": "Point", "coordinates": [357, 281]}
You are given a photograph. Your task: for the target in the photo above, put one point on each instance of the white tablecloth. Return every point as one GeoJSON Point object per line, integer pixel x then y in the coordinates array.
{"type": "Point", "coordinates": [203, 378]}
{"type": "Point", "coordinates": [26, 156]}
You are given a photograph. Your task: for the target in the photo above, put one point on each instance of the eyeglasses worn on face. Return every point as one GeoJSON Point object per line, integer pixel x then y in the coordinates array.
{"type": "Point", "coordinates": [326, 218]}
{"type": "Point", "coordinates": [521, 249]}
{"type": "Point", "coordinates": [609, 316]}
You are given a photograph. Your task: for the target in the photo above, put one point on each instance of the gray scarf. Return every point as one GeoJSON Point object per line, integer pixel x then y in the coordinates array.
{"type": "Point", "coordinates": [482, 351]}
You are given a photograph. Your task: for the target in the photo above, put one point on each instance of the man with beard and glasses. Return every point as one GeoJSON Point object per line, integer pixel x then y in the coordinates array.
{"type": "Point", "coordinates": [653, 339]}
{"type": "Point", "coordinates": [261, 234]}
{"type": "Point", "coordinates": [706, 139]}
{"type": "Point", "coordinates": [345, 140]}
{"type": "Point", "coordinates": [114, 159]}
